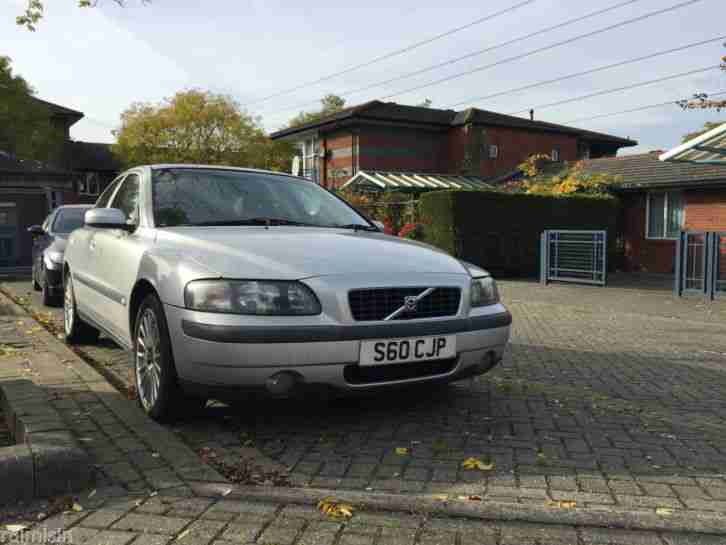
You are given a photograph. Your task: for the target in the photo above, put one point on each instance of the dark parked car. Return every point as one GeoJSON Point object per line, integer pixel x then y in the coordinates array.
{"type": "Point", "coordinates": [49, 244]}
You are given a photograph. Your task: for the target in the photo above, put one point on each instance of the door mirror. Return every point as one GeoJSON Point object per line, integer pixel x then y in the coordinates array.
{"type": "Point", "coordinates": [36, 230]}
{"type": "Point", "coordinates": [380, 225]}
{"type": "Point", "coordinates": [107, 218]}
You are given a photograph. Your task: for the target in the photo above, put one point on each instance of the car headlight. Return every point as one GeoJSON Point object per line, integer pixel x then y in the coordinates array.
{"type": "Point", "coordinates": [256, 297]}
{"type": "Point", "coordinates": [484, 292]}
{"type": "Point", "coordinates": [53, 259]}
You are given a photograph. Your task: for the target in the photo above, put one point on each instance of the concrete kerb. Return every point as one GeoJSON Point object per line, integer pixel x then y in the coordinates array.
{"type": "Point", "coordinates": [164, 441]}
{"type": "Point", "coordinates": [46, 459]}
{"type": "Point", "coordinates": [481, 510]}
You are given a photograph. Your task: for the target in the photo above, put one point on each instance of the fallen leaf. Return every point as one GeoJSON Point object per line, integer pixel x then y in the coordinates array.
{"type": "Point", "coordinates": [334, 509]}
{"type": "Point", "coordinates": [401, 451]}
{"type": "Point", "coordinates": [226, 492]}
{"type": "Point", "coordinates": [472, 497]}
{"type": "Point", "coordinates": [77, 507]}
{"type": "Point", "coordinates": [15, 528]}
{"type": "Point", "coordinates": [182, 535]}
{"type": "Point", "coordinates": [563, 504]}
{"type": "Point", "coordinates": [153, 493]}
{"type": "Point", "coordinates": [93, 493]}
{"type": "Point", "coordinates": [440, 497]}
{"type": "Point", "coordinates": [663, 511]}
{"type": "Point", "coordinates": [476, 463]}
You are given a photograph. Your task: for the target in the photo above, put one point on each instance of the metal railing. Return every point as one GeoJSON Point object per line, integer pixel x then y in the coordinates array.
{"type": "Point", "coordinates": [700, 264]}
{"type": "Point", "coordinates": [574, 256]}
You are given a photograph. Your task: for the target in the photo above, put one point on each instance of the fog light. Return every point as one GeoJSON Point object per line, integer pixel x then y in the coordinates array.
{"type": "Point", "coordinates": [281, 383]}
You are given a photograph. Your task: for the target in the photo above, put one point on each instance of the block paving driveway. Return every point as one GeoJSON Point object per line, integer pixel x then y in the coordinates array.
{"type": "Point", "coordinates": [606, 397]}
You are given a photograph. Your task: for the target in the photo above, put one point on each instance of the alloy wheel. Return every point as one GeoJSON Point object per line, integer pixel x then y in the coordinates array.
{"type": "Point", "coordinates": [148, 359]}
{"type": "Point", "coordinates": [68, 307]}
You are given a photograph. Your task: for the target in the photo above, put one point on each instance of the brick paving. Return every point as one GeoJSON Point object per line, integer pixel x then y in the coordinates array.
{"type": "Point", "coordinates": [165, 519]}
{"type": "Point", "coordinates": [596, 402]}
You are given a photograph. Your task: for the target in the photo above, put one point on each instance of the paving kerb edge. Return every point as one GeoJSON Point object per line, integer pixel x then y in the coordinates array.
{"type": "Point", "coordinates": [480, 510]}
{"type": "Point", "coordinates": [697, 522]}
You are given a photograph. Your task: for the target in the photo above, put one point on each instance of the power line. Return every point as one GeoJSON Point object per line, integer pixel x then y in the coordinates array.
{"type": "Point", "coordinates": [638, 109]}
{"type": "Point", "coordinates": [590, 71]}
{"type": "Point", "coordinates": [545, 48]}
{"type": "Point", "coordinates": [394, 53]}
{"type": "Point", "coordinates": [468, 55]}
{"type": "Point", "coordinates": [617, 89]}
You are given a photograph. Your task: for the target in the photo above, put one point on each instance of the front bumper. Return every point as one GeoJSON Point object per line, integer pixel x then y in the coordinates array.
{"type": "Point", "coordinates": [218, 356]}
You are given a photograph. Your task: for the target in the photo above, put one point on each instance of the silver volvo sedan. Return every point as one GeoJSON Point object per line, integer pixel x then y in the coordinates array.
{"type": "Point", "coordinates": [224, 281]}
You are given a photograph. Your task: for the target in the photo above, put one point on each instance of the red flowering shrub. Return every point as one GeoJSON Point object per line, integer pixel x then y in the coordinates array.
{"type": "Point", "coordinates": [413, 231]}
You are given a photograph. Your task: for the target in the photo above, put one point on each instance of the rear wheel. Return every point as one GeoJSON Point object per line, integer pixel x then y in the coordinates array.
{"type": "Point", "coordinates": [157, 384]}
{"type": "Point", "coordinates": [36, 285]}
{"type": "Point", "coordinates": [49, 298]}
{"type": "Point", "coordinates": [76, 330]}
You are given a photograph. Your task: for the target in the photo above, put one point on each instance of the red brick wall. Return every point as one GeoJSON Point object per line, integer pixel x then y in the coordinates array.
{"type": "Point", "coordinates": [392, 148]}
{"type": "Point", "coordinates": [706, 210]}
{"type": "Point", "coordinates": [456, 149]}
{"type": "Point", "coordinates": [641, 254]}
{"type": "Point", "coordinates": [516, 145]}
{"type": "Point", "coordinates": [339, 166]}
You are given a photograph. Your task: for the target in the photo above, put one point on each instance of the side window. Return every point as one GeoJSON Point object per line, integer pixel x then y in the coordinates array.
{"type": "Point", "coordinates": [127, 198]}
{"type": "Point", "coordinates": [102, 201]}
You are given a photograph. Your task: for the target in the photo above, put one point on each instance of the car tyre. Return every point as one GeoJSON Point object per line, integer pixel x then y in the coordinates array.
{"type": "Point", "coordinates": [76, 330]}
{"type": "Point", "coordinates": [36, 285]}
{"type": "Point", "coordinates": [157, 384]}
{"type": "Point", "coordinates": [48, 298]}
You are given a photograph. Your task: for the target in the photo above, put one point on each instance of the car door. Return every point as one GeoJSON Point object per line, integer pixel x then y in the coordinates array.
{"type": "Point", "coordinates": [40, 243]}
{"type": "Point", "coordinates": [82, 260]}
{"type": "Point", "coordinates": [119, 256]}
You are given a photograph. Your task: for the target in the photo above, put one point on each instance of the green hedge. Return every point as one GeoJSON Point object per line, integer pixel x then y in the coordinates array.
{"type": "Point", "coordinates": [501, 231]}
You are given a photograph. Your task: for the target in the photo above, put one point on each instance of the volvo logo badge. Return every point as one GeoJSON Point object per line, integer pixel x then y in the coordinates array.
{"type": "Point", "coordinates": [410, 302]}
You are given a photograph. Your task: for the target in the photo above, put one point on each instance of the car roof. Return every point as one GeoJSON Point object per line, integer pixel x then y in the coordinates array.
{"type": "Point", "coordinates": [160, 166]}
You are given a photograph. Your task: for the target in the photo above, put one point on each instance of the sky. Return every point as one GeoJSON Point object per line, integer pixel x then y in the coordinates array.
{"type": "Point", "coordinates": [102, 60]}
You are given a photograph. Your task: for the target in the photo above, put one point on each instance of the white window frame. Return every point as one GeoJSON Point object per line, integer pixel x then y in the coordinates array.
{"type": "Point", "coordinates": [310, 156]}
{"type": "Point", "coordinates": [555, 155]}
{"type": "Point", "coordinates": [91, 185]}
{"type": "Point", "coordinates": [666, 206]}
{"type": "Point", "coordinates": [493, 151]}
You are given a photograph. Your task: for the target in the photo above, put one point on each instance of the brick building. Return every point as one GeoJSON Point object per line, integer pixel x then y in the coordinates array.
{"type": "Point", "coordinates": [76, 172]}
{"type": "Point", "coordinates": [660, 199]}
{"type": "Point", "coordinates": [384, 136]}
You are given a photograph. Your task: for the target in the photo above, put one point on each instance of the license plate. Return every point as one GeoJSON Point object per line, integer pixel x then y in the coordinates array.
{"type": "Point", "coordinates": [389, 351]}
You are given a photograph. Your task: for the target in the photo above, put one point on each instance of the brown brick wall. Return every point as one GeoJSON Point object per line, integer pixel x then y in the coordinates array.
{"type": "Point", "coordinates": [706, 210]}
{"type": "Point", "coordinates": [516, 145]}
{"type": "Point", "coordinates": [392, 148]}
{"type": "Point", "coordinates": [339, 165]}
{"type": "Point", "coordinates": [641, 254]}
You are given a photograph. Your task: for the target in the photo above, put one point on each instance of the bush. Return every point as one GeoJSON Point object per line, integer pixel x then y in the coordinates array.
{"type": "Point", "coordinates": [501, 231]}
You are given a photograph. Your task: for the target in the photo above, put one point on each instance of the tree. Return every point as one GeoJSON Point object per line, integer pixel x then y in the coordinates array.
{"type": "Point", "coordinates": [330, 104]}
{"type": "Point", "coordinates": [34, 11]}
{"type": "Point", "coordinates": [25, 126]}
{"type": "Point", "coordinates": [197, 127]}
{"type": "Point", "coordinates": [425, 104]}
{"type": "Point", "coordinates": [701, 101]}
{"type": "Point", "coordinates": [707, 127]}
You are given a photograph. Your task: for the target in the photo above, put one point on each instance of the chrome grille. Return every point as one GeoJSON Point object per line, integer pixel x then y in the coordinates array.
{"type": "Point", "coordinates": [377, 303]}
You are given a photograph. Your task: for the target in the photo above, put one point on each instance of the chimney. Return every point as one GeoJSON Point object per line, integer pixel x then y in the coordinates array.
{"type": "Point", "coordinates": [531, 115]}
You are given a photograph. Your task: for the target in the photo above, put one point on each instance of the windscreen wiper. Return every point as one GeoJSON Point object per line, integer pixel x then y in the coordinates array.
{"type": "Point", "coordinates": [357, 227]}
{"type": "Point", "coordinates": [253, 221]}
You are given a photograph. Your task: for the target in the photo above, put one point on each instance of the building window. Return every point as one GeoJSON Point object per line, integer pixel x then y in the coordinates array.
{"type": "Point", "coordinates": [556, 154]}
{"type": "Point", "coordinates": [54, 198]}
{"type": "Point", "coordinates": [493, 151]}
{"type": "Point", "coordinates": [90, 185]}
{"type": "Point", "coordinates": [664, 215]}
{"type": "Point", "coordinates": [310, 165]}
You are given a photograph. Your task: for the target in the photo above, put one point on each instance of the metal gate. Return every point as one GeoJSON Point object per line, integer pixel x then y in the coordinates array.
{"type": "Point", "coordinates": [574, 256]}
{"type": "Point", "coordinates": [700, 264]}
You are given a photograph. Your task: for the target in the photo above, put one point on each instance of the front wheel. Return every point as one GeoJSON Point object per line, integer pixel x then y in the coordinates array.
{"type": "Point", "coordinates": [76, 330]}
{"type": "Point", "coordinates": [159, 393]}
